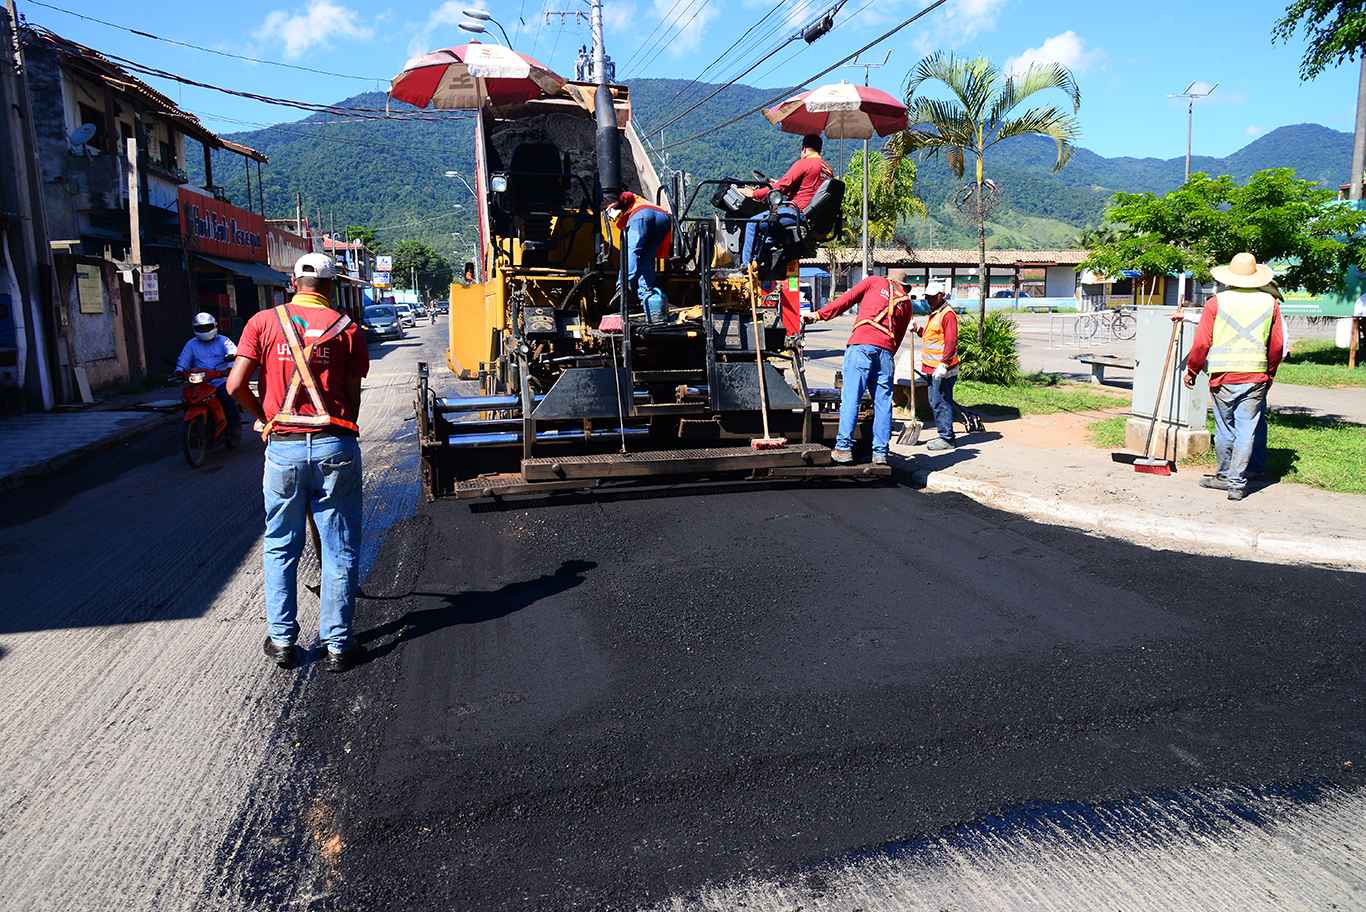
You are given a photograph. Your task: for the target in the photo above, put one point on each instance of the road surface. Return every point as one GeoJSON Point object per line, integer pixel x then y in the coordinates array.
{"type": "Point", "coordinates": [825, 697]}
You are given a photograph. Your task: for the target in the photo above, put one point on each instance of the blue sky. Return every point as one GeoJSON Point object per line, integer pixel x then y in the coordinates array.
{"type": "Point", "coordinates": [1127, 57]}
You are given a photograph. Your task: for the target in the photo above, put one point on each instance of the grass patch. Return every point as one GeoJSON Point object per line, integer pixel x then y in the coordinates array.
{"type": "Point", "coordinates": [1305, 450]}
{"type": "Point", "coordinates": [1318, 362]}
{"type": "Point", "coordinates": [1037, 394]}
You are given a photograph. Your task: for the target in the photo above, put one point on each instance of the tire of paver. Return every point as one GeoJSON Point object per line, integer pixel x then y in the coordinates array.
{"type": "Point", "coordinates": [196, 441]}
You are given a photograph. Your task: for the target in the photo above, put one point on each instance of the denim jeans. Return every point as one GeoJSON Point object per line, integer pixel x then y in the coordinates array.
{"type": "Point", "coordinates": [941, 402]}
{"type": "Point", "coordinates": [1238, 407]}
{"type": "Point", "coordinates": [866, 367]}
{"type": "Point", "coordinates": [753, 228]}
{"type": "Point", "coordinates": [645, 232]}
{"type": "Point", "coordinates": [1257, 464]}
{"type": "Point", "coordinates": [318, 474]}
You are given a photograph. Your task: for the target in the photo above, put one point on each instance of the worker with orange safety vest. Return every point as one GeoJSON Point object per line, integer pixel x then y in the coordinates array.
{"type": "Point", "coordinates": [884, 312]}
{"type": "Point", "coordinates": [939, 362]}
{"type": "Point", "coordinates": [649, 234]}
{"type": "Point", "coordinates": [312, 360]}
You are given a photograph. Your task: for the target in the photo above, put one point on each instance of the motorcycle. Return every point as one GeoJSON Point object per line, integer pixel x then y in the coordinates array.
{"type": "Point", "coordinates": [205, 422]}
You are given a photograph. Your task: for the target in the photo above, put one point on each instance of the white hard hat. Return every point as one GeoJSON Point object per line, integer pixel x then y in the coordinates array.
{"type": "Point", "coordinates": [936, 288]}
{"type": "Point", "coordinates": [205, 326]}
{"type": "Point", "coordinates": [315, 266]}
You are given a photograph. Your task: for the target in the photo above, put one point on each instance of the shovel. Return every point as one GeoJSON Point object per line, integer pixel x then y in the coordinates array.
{"type": "Point", "coordinates": [910, 431]}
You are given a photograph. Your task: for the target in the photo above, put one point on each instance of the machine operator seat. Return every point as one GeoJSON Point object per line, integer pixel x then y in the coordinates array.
{"type": "Point", "coordinates": [824, 215]}
{"type": "Point", "coordinates": [537, 186]}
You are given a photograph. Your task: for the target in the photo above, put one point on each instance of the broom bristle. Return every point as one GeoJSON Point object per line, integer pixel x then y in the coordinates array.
{"type": "Point", "coordinates": [768, 443]}
{"type": "Point", "coordinates": [1153, 468]}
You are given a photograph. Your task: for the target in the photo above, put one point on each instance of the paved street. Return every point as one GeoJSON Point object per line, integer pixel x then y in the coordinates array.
{"type": "Point", "coordinates": [803, 696]}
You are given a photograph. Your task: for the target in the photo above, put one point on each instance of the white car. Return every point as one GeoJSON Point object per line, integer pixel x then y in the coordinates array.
{"type": "Point", "coordinates": [405, 314]}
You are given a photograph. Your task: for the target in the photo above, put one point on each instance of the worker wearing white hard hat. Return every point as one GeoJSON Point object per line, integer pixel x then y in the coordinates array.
{"type": "Point", "coordinates": [208, 350]}
{"type": "Point", "coordinates": [312, 360]}
{"type": "Point", "coordinates": [939, 361]}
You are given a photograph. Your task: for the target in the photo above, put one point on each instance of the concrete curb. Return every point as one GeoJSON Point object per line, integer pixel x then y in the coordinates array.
{"type": "Point", "coordinates": [1270, 546]}
{"type": "Point", "coordinates": [55, 464]}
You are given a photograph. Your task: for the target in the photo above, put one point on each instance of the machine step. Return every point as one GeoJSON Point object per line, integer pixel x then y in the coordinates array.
{"type": "Point", "coordinates": [673, 462]}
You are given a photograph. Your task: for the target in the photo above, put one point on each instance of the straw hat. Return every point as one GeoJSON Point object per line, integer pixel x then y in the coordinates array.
{"type": "Point", "coordinates": [1243, 272]}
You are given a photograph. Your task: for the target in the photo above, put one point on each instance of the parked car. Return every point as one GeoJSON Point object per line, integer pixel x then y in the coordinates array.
{"type": "Point", "coordinates": [1006, 293]}
{"type": "Point", "coordinates": [419, 310]}
{"type": "Point", "coordinates": [381, 321]}
{"type": "Point", "coordinates": [441, 306]}
{"type": "Point", "coordinates": [406, 315]}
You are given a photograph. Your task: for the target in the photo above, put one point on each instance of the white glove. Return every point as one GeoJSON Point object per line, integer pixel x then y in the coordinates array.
{"type": "Point", "coordinates": [941, 372]}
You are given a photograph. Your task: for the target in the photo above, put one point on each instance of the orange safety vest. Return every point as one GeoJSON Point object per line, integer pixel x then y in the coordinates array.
{"type": "Point", "coordinates": [932, 351]}
{"type": "Point", "coordinates": [665, 246]}
{"type": "Point", "coordinates": [303, 376]}
{"type": "Point", "coordinates": [896, 295]}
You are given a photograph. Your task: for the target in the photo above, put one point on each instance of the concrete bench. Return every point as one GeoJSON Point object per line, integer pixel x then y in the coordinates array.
{"type": "Point", "coordinates": [1098, 363]}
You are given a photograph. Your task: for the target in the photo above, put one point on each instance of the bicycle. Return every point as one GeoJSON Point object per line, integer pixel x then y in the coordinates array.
{"type": "Point", "coordinates": [1120, 324]}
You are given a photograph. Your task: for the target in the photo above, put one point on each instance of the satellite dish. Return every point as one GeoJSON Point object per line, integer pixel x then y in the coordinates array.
{"type": "Point", "coordinates": [81, 135]}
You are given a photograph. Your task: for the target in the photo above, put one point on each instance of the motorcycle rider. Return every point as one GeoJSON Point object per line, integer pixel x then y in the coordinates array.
{"type": "Point", "coordinates": [209, 351]}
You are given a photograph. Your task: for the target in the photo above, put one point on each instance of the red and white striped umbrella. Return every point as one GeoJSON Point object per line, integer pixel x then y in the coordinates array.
{"type": "Point", "coordinates": [467, 76]}
{"type": "Point", "coordinates": [840, 111]}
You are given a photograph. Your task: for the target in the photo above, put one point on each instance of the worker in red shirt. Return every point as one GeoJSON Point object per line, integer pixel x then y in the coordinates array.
{"type": "Point", "coordinates": [799, 185]}
{"type": "Point", "coordinates": [939, 362]}
{"type": "Point", "coordinates": [312, 359]}
{"type": "Point", "coordinates": [1240, 341]}
{"type": "Point", "coordinates": [884, 312]}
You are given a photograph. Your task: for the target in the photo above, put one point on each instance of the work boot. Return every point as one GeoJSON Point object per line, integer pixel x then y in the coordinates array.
{"type": "Point", "coordinates": [1214, 482]}
{"type": "Point", "coordinates": [338, 662]}
{"type": "Point", "coordinates": [939, 445]}
{"type": "Point", "coordinates": [283, 655]}
{"type": "Point", "coordinates": [1237, 493]}
{"type": "Point", "coordinates": [879, 459]}
{"type": "Point", "coordinates": [841, 457]}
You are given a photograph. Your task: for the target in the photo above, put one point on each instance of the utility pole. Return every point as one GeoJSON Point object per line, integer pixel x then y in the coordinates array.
{"type": "Point", "coordinates": [599, 53]}
{"type": "Point", "coordinates": [867, 248]}
{"type": "Point", "coordinates": [135, 247]}
{"type": "Point", "coordinates": [1194, 92]}
{"type": "Point", "coordinates": [1359, 142]}
{"type": "Point", "coordinates": [299, 214]}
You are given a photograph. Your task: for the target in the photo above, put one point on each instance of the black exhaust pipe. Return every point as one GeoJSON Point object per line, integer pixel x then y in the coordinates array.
{"type": "Point", "coordinates": [609, 142]}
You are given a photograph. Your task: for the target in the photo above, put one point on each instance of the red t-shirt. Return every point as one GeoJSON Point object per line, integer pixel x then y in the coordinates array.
{"type": "Point", "coordinates": [801, 181]}
{"type": "Point", "coordinates": [872, 295]}
{"type": "Point", "coordinates": [334, 363]}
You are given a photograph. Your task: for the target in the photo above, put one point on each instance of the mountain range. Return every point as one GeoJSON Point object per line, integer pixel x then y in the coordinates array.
{"type": "Point", "coordinates": [389, 173]}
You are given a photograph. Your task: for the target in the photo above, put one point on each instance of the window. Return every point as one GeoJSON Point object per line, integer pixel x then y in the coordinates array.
{"type": "Point", "coordinates": [95, 117]}
{"type": "Point", "coordinates": [168, 155]}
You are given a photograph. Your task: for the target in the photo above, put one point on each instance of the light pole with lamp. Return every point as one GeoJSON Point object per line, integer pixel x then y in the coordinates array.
{"type": "Point", "coordinates": [479, 17]}
{"type": "Point", "coordinates": [1194, 92]}
{"type": "Point", "coordinates": [867, 249]}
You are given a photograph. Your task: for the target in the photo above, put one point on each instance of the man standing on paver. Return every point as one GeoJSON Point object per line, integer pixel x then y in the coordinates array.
{"type": "Point", "coordinates": [884, 312]}
{"type": "Point", "coordinates": [939, 362]}
{"type": "Point", "coordinates": [1240, 341]}
{"type": "Point", "coordinates": [312, 359]}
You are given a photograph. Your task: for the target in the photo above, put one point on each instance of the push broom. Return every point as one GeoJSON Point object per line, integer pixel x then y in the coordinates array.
{"type": "Point", "coordinates": [765, 442]}
{"type": "Point", "coordinates": [1149, 464]}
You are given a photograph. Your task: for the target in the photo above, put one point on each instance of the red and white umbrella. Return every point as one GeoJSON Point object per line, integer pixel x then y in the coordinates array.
{"type": "Point", "coordinates": [468, 76]}
{"type": "Point", "coordinates": [840, 111]}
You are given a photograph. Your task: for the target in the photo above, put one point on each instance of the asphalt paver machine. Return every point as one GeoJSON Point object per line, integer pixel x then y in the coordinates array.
{"type": "Point", "coordinates": [563, 383]}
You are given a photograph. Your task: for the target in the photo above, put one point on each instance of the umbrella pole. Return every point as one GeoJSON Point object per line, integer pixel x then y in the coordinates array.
{"type": "Point", "coordinates": [867, 254]}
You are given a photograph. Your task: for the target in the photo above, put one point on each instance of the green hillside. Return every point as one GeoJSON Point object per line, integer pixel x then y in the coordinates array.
{"type": "Point", "coordinates": [390, 173]}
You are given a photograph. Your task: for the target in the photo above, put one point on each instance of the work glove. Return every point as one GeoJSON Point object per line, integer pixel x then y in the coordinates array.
{"type": "Point", "coordinates": [941, 372]}
{"type": "Point", "coordinates": [809, 318]}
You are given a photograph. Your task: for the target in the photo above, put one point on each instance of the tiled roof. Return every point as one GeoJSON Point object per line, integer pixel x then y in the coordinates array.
{"type": "Point", "coordinates": [897, 256]}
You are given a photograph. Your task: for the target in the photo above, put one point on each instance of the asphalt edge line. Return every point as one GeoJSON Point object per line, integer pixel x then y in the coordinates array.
{"type": "Point", "coordinates": [54, 464]}
{"type": "Point", "coordinates": [1348, 552]}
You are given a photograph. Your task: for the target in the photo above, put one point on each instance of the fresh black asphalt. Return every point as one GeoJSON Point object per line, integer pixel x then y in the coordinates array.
{"type": "Point", "coordinates": [599, 702]}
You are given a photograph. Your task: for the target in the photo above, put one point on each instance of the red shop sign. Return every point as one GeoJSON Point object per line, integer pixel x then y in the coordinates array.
{"type": "Point", "coordinates": [217, 228]}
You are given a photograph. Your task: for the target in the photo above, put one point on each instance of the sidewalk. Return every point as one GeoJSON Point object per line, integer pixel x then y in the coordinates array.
{"type": "Point", "coordinates": [1044, 467]}
{"type": "Point", "coordinates": [40, 443]}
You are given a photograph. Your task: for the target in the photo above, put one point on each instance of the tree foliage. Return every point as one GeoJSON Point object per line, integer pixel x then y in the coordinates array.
{"type": "Point", "coordinates": [890, 197]}
{"type": "Point", "coordinates": [1335, 29]}
{"type": "Point", "coordinates": [983, 110]}
{"type": "Point", "coordinates": [366, 235]}
{"type": "Point", "coordinates": [433, 271]}
{"type": "Point", "coordinates": [1294, 224]}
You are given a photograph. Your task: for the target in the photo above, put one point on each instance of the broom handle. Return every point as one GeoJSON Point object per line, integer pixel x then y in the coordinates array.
{"type": "Point", "coordinates": [1162, 383]}
{"type": "Point", "coordinates": [759, 359]}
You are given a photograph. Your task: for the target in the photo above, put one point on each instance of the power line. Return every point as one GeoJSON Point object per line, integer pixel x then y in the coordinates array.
{"type": "Point", "coordinates": [805, 82]}
{"type": "Point", "coordinates": [724, 54]}
{"type": "Point", "coordinates": [196, 47]}
{"type": "Point", "coordinates": [675, 32]}
{"type": "Point", "coordinates": [663, 22]}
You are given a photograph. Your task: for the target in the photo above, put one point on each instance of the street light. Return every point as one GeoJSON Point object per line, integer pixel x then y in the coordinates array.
{"type": "Point", "coordinates": [460, 177]}
{"type": "Point", "coordinates": [1194, 92]}
{"type": "Point", "coordinates": [480, 16]}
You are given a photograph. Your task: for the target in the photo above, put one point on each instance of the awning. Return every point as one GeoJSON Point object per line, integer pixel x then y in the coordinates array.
{"type": "Point", "coordinates": [814, 272]}
{"type": "Point", "coordinates": [259, 273]}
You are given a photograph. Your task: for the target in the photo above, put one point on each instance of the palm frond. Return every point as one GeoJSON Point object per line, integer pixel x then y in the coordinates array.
{"type": "Point", "coordinates": [1059, 126]}
{"type": "Point", "coordinates": [1038, 78]}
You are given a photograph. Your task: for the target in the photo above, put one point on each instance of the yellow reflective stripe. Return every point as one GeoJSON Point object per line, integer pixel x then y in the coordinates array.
{"type": "Point", "coordinates": [1242, 327]}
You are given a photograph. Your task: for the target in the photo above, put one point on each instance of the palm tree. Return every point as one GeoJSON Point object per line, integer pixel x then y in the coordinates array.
{"type": "Point", "coordinates": [980, 114]}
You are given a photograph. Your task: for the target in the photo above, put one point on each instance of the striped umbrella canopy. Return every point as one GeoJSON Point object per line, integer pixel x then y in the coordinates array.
{"type": "Point", "coordinates": [468, 76]}
{"type": "Point", "coordinates": [840, 111]}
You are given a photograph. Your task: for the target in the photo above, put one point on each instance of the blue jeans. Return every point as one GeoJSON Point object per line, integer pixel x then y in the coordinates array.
{"type": "Point", "coordinates": [1238, 407]}
{"type": "Point", "coordinates": [644, 233]}
{"type": "Point", "coordinates": [318, 474]}
{"type": "Point", "coordinates": [941, 402]}
{"type": "Point", "coordinates": [1257, 464]}
{"type": "Point", "coordinates": [755, 225]}
{"type": "Point", "coordinates": [866, 367]}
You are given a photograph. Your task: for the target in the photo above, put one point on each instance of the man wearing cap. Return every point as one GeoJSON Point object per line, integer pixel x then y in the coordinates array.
{"type": "Point", "coordinates": [884, 312]}
{"type": "Point", "coordinates": [649, 234]}
{"type": "Point", "coordinates": [939, 362]}
{"type": "Point", "coordinates": [312, 359]}
{"type": "Point", "coordinates": [1240, 341]}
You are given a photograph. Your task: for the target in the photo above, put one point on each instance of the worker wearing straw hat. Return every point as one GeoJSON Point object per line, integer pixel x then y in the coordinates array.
{"type": "Point", "coordinates": [1240, 341]}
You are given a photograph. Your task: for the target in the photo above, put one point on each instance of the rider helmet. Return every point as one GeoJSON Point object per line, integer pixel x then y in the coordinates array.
{"type": "Point", "coordinates": [205, 326]}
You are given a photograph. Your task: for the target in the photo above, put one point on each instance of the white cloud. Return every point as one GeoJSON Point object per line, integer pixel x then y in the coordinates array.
{"type": "Point", "coordinates": [953, 25]}
{"type": "Point", "coordinates": [447, 16]}
{"type": "Point", "coordinates": [1067, 49]}
{"type": "Point", "coordinates": [316, 25]}
{"type": "Point", "coordinates": [1250, 131]}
